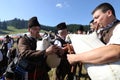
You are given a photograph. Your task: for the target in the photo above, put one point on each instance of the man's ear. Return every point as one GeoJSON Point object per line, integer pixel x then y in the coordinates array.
{"type": "Point", "coordinates": [109, 13]}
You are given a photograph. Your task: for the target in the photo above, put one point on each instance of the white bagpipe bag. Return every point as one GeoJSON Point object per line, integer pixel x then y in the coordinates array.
{"type": "Point", "coordinates": [52, 60]}
{"type": "Point", "coordinates": [82, 43]}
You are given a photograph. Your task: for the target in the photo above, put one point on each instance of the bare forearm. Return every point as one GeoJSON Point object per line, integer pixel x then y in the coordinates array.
{"type": "Point", "coordinates": [101, 55]}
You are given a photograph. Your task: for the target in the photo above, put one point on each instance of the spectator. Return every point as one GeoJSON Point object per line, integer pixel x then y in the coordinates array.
{"type": "Point", "coordinates": [64, 68]}
{"type": "Point", "coordinates": [80, 30]}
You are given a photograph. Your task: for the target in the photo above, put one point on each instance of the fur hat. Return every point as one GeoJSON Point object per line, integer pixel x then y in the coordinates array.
{"type": "Point", "coordinates": [33, 22]}
{"type": "Point", "coordinates": [7, 36]}
{"type": "Point", "coordinates": [61, 26]}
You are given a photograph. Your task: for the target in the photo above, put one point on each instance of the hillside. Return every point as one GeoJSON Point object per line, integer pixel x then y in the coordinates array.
{"type": "Point", "coordinates": [20, 26]}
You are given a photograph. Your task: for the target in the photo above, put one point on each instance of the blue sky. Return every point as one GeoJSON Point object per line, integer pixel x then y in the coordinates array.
{"type": "Point", "coordinates": [52, 12]}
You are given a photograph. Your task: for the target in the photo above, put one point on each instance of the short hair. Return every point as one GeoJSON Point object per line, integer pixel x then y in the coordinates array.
{"type": "Point", "coordinates": [105, 7]}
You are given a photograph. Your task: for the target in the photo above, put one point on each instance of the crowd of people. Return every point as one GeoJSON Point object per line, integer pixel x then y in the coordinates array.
{"type": "Point", "coordinates": [6, 45]}
{"type": "Point", "coordinates": [24, 62]}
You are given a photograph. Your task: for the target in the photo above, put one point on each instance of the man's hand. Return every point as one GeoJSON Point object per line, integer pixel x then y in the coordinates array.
{"type": "Point", "coordinates": [71, 58]}
{"type": "Point", "coordinates": [54, 49]}
{"type": "Point", "coordinates": [69, 48]}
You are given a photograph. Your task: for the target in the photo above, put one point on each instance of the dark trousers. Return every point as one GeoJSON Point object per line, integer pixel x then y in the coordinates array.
{"type": "Point", "coordinates": [63, 70]}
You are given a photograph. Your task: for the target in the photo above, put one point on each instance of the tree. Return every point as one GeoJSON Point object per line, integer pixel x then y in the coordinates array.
{"type": "Point", "coordinates": [4, 25]}
{"type": "Point", "coordinates": [0, 25]}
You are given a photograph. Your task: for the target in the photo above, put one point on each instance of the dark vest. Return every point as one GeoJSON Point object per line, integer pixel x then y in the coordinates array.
{"type": "Point", "coordinates": [106, 34]}
{"type": "Point", "coordinates": [62, 41]}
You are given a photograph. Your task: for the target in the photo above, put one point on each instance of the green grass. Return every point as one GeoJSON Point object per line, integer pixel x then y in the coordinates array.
{"type": "Point", "coordinates": [13, 30]}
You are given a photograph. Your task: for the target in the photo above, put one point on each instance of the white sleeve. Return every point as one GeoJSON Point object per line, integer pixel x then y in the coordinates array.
{"type": "Point", "coordinates": [115, 38]}
{"type": "Point", "coordinates": [8, 53]}
{"type": "Point", "coordinates": [58, 43]}
{"type": "Point", "coordinates": [1, 56]}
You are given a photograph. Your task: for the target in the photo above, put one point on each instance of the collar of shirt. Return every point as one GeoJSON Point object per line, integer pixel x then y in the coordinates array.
{"type": "Point", "coordinates": [109, 25]}
{"type": "Point", "coordinates": [99, 31]}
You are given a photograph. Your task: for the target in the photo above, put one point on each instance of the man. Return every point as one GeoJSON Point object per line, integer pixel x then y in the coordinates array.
{"type": "Point", "coordinates": [6, 45]}
{"type": "Point", "coordinates": [92, 27]}
{"type": "Point", "coordinates": [80, 30]}
{"type": "Point", "coordinates": [95, 27]}
{"type": "Point", "coordinates": [104, 15]}
{"type": "Point", "coordinates": [4, 49]}
{"type": "Point", "coordinates": [64, 68]}
{"type": "Point", "coordinates": [34, 67]}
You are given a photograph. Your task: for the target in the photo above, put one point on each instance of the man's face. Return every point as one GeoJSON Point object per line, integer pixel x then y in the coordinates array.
{"type": "Point", "coordinates": [34, 31]}
{"type": "Point", "coordinates": [64, 32]}
{"type": "Point", "coordinates": [79, 32]}
{"type": "Point", "coordinates": [101, 18]}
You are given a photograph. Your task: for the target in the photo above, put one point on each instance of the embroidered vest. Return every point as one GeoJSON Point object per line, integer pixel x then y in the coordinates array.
{"type": "Point", "coordinates": [106, 34]}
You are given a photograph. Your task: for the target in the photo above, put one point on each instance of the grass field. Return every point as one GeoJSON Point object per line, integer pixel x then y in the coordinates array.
{"type": "Point", "coordinates": [13, 30]}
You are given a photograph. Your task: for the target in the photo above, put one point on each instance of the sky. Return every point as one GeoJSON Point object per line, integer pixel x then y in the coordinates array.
{"type": "Point", "coordinates": [53, 12]}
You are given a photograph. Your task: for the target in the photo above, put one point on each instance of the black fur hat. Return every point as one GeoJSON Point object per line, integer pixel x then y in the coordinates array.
{"type": "Point", "coordinates": [7, 36]}
{"type": "Point", "coordinates": [61, 26]}
{"type": "Point", "coordinates": [33, 22]}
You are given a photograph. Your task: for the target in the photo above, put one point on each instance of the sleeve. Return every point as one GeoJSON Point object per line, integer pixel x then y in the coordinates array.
{"type": "Point", "coordinates": [25, 51]}
{"type": "Point", "coordinates": [115, 38]}
{"type": "Point", "coordinates": [8, 53]}
{"type": "Point", "coordinates": [58, 43]}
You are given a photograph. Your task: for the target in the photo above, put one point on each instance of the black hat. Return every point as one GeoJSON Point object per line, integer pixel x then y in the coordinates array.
{"type": "Point", "coordinates": [7, 36]}
{"type": "Point", "coordinates": [33, 22]}
{"type": "Point", "coordinates": [61, 26]}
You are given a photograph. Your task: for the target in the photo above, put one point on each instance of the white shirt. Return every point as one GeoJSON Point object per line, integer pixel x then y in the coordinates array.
{"type": "Point", "coordinates": [58, 43]}
{"type": "Point", "coordinates": [115, 38]}
{"type": "Point", "coordinates": [107, 71]}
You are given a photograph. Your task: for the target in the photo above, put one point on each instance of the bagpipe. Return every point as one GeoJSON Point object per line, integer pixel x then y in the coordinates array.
{"type": "Point", "coordinates": [53, 60]}
{"type": "Point", "coordinates": [82, 43]}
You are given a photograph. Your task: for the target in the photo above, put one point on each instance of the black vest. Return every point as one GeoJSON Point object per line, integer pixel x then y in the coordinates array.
{"type": "Point", "coordinates": [62, 41]}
